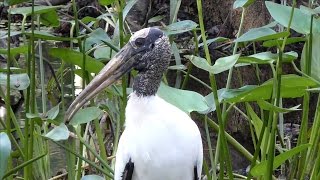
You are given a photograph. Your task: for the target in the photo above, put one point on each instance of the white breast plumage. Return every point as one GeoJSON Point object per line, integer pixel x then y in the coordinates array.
{"type": "Point", "coordinates": [161, 140]}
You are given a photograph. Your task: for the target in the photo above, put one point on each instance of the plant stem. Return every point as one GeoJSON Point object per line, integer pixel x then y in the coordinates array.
{"type": "Point", "coordinates": [32, 89]}
{"type": "Point", "coordinates": [84, 159]}
{"type": "Point", "coordinates": [7, 97]}
{"type": "Point", "coordinates": [224, 154]}
{"type": "Point", "coordinates": [277, 89]}
{"type": "Point", "coordinates": [210, 147]}
{"type": "Point", "coordinates": [190, 65]}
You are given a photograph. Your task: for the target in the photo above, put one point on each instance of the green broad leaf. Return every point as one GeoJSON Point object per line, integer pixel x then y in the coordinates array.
{"type": "Point", "coordinates": [261, 34]}
{"type": "Point", "coordinates": [76, 58]}
{"type": "Point", "coordinates": [255, 120]}
{"type": "Point", "coordinates": [242, 3]}
{"type": "Point", "coordinates": [35, 117]}
{"type": "Point", "coordinates": [14, 2]}
{"type": "Point", "coordinates": [270, 25]}
{"type": "Point", "coordinates": [300, 21]}
{"type": "Point", "coordinates": [104, 53]}
{"type": "Point", "coordinates": [47, 36]}
{"type": "Point", "coordinates": [267, 58]}
{"type": "Point", "coordinates": [315, 57]}
{"type": "Point", "coordinates": [277, 43]}
{"type": "Point", "coordinates": [17, 81]}
{"type": "Point", "coordinates": [187, 101]}
{"type": "Point", "coordinates": [50, 19]}
{"type": "Point", "coordinates": [86, 115]}
{"type": "Point", "coordinates": [268, 106]}
{"type": "Point", "coordinates": [221, 64]}
{"type": "Point", "coordinates": [180, 27]}
{"type": "Point", "coordinates": [174, 8]}
{"type": "Point", "coordinates": [31, 116]}
{"type": "Point", "coordinates": [217, 39]}
{"type": "Point", "coordinates": [48, 14]}
{"type": "Point", "coordinates": [210, 101]}
{"type": "Point", "coordinates": [97, 36]}
{"type": "Point", "coordinates": [4, 34]}
{"type": "Point", "coordinates": [92, 177]}
{"type": "Point", "coordinates": [156, 19]}
{"type": "Point", "coordinates": [292, 86]}
{"type": "Point", "coordinates": [106, 2]}
{"type": "Point", "coordinates": [58, 133]}
{"type": "Point", "coordinates": [5, 150]}
{"type": "Point", "coordinates": [309, 11]}
{"type": "Point", "coordinates": [177, 67]}
{"type": "Point", "coordinates": [15, 50]}
{"type": "Point", "coordinates": [128, 7]}
{"type": "Point", "coordinates": [261, 168]}
{"type": "Point", "coordinates": [53, 112]}
{"type": "Point", "coordinates": [26, 11]}
{"type": "Point", "coordinates": [292, 80]}
{"type": "Point", "coordinates": [88, 19]}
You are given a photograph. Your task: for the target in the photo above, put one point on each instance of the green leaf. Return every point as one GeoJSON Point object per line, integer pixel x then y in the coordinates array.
{"type": "Point", "coordinates": [177, 67]}
{"type": "Point", "coordinates": [75, 57]}
{"type": "Point", "coordinates": [14, 2]}
{"type": "Point", "coordinates": [315, 57]}
{"type": "Point", "coordinates": [156, 19]}
{"type": "Point", "coordinates": [278, 42]}
{"type": "Point", "coordinates": [5, 150]}
{"type": "Point", "coordinates": [300, 20]}
{"type": "Point", "coordinates": [48, 14]}
{"type": "Point", "coordinates": [128, 7]}
{"type": "Point", "coordinates": [261, 168]}
{"type": "Point", "coordinates": [255, 120]}
{"type": "Point", "coordinates": [53, 113]}
{"type": "Point", "coordinates": [17, 81]}
{"type": "Point", "coordinates": [4, 34]}
{"type": "Point", "coordinates": [97, 36]}
{"type": "Point", "coordinates": [308, 10]}
{"type": "Point", "coordinates": [261, 34]}
{"type": "Point", "coordinates": [86, 115]}
{"type": "Point", "coordinates": [174, 8]}
{"type": "Point", "coordinates": [50, 19]}
{"type": "Point", "coordinates": [221, 64]}
{"type": "Point", "coordinates": [92, 177]}
{"type": "Point", "coordinates": [267, 58]}
{"type": "Point", "coordinates": [47, 36]}
{"type": "Point", "coordinates": [104, 53]}
{"type": "Point", "coordinates": [31, 116]}
{"type": "Point", "coordinates": [292, 86]}
{"type": "Point", "coordinates": [210, 101]}
{"type": "Point", "coordinates": [217, 39]}
{"type": "Point", "coordinates": [268, 106]}
{"type": "Point", "coordinates": [58, 133]}
{"type": "Point", "coordinates": [187, 101]}
{"type": "Point", "coordinates": [242, 3]}
{"type": "Point", "coordinates": [15, 50]}
{"type": "Point", "coordinates": [26, 11]}
{"type": "Point", "coordinates": [180, 27]}
{"type": "Point", "coordinates": [106, 2]}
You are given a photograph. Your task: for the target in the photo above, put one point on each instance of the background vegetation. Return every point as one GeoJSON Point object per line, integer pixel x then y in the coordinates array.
{"type": "Point", "coordinates": [89, 141]}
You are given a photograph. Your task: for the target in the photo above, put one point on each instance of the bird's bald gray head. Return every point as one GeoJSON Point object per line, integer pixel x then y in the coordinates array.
{"type": "Point", "coordinates": [152, 59]}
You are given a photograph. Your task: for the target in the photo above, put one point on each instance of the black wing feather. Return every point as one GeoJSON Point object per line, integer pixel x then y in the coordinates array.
{"type": "Point", "coordinates": [195, 172]}
{"type": "Point", "coordinates": [128, 171]}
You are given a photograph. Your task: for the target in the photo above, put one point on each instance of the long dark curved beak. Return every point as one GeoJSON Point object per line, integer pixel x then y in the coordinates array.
{"type": "Point", "coordinates": [120, 64]}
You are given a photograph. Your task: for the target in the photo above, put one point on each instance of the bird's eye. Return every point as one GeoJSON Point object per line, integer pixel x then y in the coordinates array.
{"type": "Point", "coordinates": [139, 42]}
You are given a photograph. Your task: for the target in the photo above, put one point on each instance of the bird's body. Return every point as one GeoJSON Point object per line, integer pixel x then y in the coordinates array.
{"type": "Point", "coordinates": [160, 140]}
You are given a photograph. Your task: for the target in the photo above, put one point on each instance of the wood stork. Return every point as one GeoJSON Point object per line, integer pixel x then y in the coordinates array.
{"type": "Point", "coordinates": [160, 142]}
